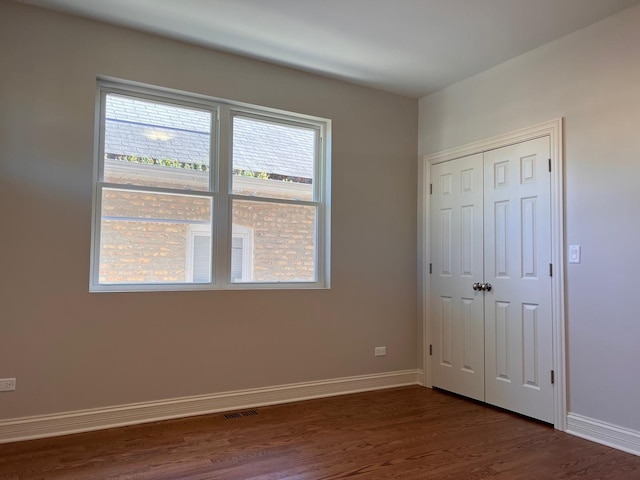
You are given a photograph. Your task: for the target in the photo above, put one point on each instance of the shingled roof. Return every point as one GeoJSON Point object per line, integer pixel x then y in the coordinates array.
{"type": "Point", "coordinates": [139, 128]}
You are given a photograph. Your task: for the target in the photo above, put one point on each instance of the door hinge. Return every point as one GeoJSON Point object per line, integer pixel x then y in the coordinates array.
{"type": "Point", "coordinates": [430, 268]}
{"type": "Point", "coordinates": [553, 377]}
{"type": "Point", "coordinates": [551, 269]}
{"type": "Point", "coordinates": [431, 189]}
{"type": "Point", "coordinates": [549, 164]}
{"type": "Point", "coordinates": [430, 349]}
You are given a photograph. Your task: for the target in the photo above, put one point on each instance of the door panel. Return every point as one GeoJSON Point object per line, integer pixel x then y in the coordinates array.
{"type": "Point", "coordinates": [518, 327]}
{"type": "Point", "coordinates": [457, 323]}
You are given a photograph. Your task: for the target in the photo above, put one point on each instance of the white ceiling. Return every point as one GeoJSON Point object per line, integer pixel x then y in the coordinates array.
{"type": "Point", "coordinates": [410, 47]}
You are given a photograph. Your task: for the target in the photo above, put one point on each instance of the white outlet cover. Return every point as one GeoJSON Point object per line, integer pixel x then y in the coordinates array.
{"type": "Point", "coordinates": [380, 351]}
{"type": "Point", "coordinates": [7, 384]}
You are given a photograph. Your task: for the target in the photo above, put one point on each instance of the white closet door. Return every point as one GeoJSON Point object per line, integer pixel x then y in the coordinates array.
{"type": "Point", "coordinates": [490, 224]}
{"type": "Point", "coordinates": [517, 240]}
{"type": "Point", "coordinates": [457, 327]}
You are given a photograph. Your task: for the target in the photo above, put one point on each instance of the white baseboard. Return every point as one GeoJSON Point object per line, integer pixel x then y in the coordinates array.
{"type": "Point", "coordinates": [605, 433]}
{"type": "Point", "coordinates": [41, 426]}
{"type": "Point", "coordinates": [420, 377]}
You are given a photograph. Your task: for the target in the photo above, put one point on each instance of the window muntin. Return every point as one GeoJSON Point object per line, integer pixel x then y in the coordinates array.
{"type": "Point", "coordinates": [163, 219]}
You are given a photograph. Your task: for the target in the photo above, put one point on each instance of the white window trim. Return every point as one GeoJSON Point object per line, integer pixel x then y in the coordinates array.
{"type": "Point", "coordinates": [220, 163]}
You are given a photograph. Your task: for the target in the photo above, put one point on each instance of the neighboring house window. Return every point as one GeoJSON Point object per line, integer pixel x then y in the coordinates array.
{"type": "Point", "coordinates": [199, 253]}
{"type": "Point", "coordinates": [198, 193]}
{"type": "Point", "coordinates": [242, 254]}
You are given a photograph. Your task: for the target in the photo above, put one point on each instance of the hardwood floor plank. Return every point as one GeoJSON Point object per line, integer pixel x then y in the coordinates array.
{"type": "Point", "coordinates": [409, 433]}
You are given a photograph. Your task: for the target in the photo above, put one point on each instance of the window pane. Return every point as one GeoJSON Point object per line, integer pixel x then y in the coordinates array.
{"type": "Point", "coordinates": [273, 160]}
{"type": "Point", "coordinates": [282, 246]}
{"type": "Point", "coordinates": [149, 238]}
{"type": "Point", "coordinates": [156, 144]}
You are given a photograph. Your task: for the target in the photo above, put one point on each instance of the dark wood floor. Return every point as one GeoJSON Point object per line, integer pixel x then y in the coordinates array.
{"type": "Point", "coordinates": [405, 433]}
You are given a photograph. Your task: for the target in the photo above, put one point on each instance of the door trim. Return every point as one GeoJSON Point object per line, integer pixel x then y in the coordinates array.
{"type": "Point", "coordinates": [552, 129]}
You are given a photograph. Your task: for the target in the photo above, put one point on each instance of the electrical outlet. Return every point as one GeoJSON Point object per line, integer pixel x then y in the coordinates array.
{"type": "Point", "coordinates": [380, 351]}
{"type": "Point", "coordinates": [7, 384]}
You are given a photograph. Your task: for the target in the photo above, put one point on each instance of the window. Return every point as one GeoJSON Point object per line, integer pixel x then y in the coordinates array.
{"type": "Point", "coordinates": [198, 193]}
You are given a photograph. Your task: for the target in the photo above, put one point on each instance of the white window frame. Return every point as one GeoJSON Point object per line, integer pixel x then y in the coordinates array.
{"type": "Point", "coordinates": [220, 191]}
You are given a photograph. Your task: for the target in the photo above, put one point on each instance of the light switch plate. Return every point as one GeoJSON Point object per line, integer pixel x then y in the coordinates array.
{"type": "Point", "coordinates": [574, 253]}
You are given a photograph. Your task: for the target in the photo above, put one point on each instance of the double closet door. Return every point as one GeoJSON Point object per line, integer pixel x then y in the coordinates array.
{"type": "Point", "coordinates": [490, 282]}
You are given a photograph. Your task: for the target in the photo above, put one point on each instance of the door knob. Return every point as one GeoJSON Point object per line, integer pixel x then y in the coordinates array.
{"type": "Point", "coordinates": [477, 287]}
{"type": "Point", "coordinates": [486, 287]}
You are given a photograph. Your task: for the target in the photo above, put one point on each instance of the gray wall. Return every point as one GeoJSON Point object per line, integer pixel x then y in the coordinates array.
{"type": "Point", "coordinates": [73, 350]}
{"type": "Point", "coordinates": [591, 78]}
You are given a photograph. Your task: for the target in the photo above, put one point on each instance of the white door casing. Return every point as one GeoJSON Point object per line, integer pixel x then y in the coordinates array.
{"type": "Point", "coordinates": [553, 131]}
